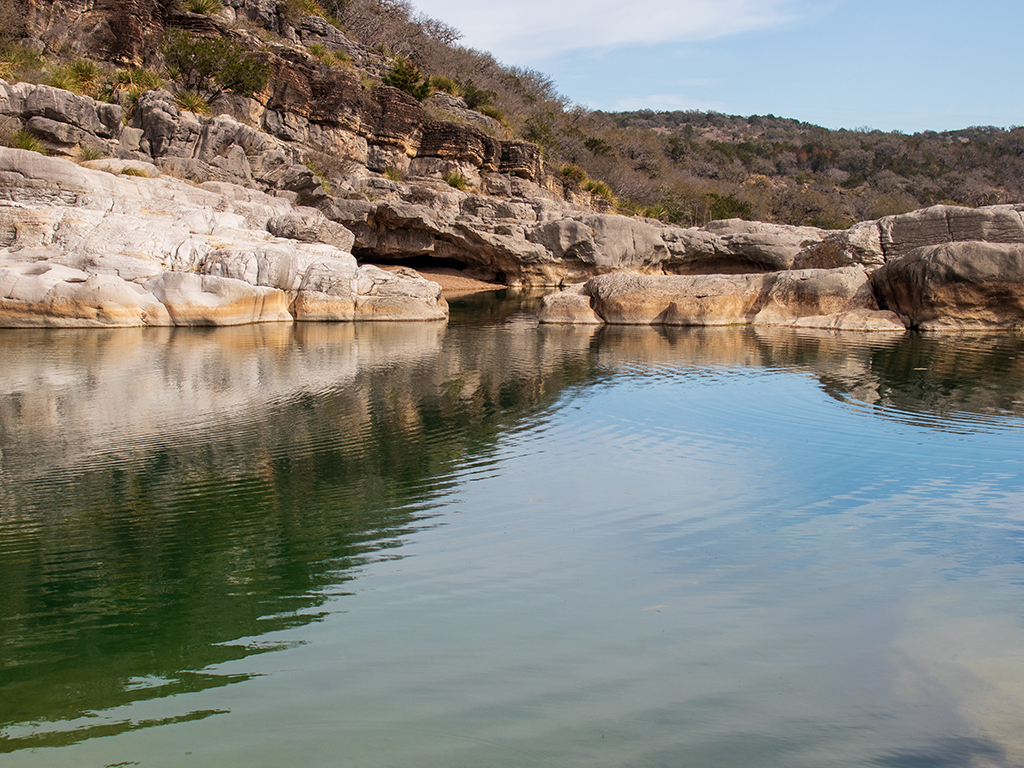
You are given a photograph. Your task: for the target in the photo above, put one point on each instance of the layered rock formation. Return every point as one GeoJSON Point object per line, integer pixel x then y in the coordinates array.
{"type": "Point", "coordinates": [941, 268]}
{"type": "Point", "coordinates": [504, 227]}
{"type": "Point", "coordinates": [840, 299]}
{"type": "Point", "coordinates": [88, 247]}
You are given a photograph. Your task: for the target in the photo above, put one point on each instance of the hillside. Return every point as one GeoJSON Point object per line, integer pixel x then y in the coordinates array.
{"type": "Point", "coordinates": [686, 168]}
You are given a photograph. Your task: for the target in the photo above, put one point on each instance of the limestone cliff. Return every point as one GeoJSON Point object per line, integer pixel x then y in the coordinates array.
{"type": "Point", "coordinates": [338, 164]}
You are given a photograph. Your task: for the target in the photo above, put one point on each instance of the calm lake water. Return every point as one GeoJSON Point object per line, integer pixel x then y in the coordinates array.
{"type": "Point", "coordinates": [497, 544]}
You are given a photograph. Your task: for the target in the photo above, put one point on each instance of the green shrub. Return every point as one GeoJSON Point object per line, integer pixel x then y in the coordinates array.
{"type": "Point", "coordinates": [476, 97]}
{"type": "Point", "coordinates": [455, 179]}
{"type": "Point", "coordinates": [192, 102]}
{"type": "Point", "coordinates": [129, 171]}
{"type": "Point", "coordinates": [211, 66]}
{"type": "Point", "coordinates": [728, 207]}
{"type": "Point", "coordinates": [492, 112]}
{"type": "Point", "coordinates": [573, 175]}
{"type": "Point", "coordinates": [600, 189]}
{"type": "Point", "coordinates": [446, 84]}
{"type": "Point", "coordinates": [88, 152]}
{"type": "Point", "coordinates": [406, 76]}
{"type": "Point", "coordinates": [540, 132]}
{"type": "Point", "coordinates": [204, 7]}
{"type": "Point", "coordinates": [392, 173]}
{"type": "Point", "coordinates": [22, 139]}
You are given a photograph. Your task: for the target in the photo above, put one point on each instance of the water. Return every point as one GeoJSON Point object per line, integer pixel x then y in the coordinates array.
{"type": "Point", "coordinates": [500, 544]}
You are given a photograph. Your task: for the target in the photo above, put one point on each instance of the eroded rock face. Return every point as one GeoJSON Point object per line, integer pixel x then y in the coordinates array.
{"type": "Point", "coordinates": [256, 213]}
{"type": "Point", "coordinates": [957, 286]}
{"type": "Point", "coordinates": [840, 299]}
{"type": "Point", "coordinates": [874, 243]}
{"type": "Point", "coordinates": [531, 237]}
{"type": "Point", "coordinates": [84, 247]}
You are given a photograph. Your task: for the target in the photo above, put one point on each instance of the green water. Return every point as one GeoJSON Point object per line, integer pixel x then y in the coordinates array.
{"type": "Point", "coordinates": [497, 544]}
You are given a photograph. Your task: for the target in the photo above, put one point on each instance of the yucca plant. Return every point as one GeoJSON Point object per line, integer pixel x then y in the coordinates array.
{"type": "Point", "coordinates": [573, 174]}
{"type": "Point", "coordinates": [192, 102]}
{"type": "Point", "coordinates": [87, 152]}
{"type": "Point", "coordinates": [204, 7]}
{"type": "Point", "coordinates": [492, 112]}
{"type": "Point", "coordinates": [88, 73]}
{"type": "Point", "coordinates": [600, 189]}
{"type": "Point", "coordinates": [456, 180]}
{"type": "Point", "coordinates": [81, 76]}
{"type": "Point", "coordinates": [446, 84]}
{"type": "Point", "coordinates": [22, 139]}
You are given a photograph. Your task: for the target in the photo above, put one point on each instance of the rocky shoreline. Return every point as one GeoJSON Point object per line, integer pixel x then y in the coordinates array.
{"type": "Point", "coordinates": [194, 220]}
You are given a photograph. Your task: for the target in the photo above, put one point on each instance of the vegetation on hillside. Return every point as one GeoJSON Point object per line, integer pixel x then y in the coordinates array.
{"type": "Point", "coordinates": [682, 167]}
{"type": "Point", "coordinates": [692, 167]}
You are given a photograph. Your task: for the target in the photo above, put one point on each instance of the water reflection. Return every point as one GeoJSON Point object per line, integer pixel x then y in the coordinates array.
{"type": "Point", "coordinates": [173, 500]}
{"type": "Point", "coordinates": [922, 379]}
{"type": "Point", "coordinates": [171, 497]}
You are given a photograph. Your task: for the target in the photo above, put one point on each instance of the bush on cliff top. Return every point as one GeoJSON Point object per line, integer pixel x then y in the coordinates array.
{"type": "Point", "coordinates": [211, 65]}
{"type": "Point", "coordinates": [406, 76]}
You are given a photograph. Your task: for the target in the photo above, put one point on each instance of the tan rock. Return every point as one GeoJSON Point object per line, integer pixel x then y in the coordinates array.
{"type": "Point", "coordinates": [403, 295]}
{"type": "Point", "coordinates": [45, 300]}
{"type": "Point", "coordinates": [957, 286]}
{"type": "Point", "coordinates": [193, 299]}
{"type": "Point", "coordinates": [837, 299]}
{"type": "Point", "coordinates": [568, 307]}
{"type": "Point", "coordinates": [172, 253]}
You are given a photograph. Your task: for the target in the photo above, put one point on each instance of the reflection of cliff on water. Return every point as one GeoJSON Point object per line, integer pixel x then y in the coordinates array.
{"type": "Point", "coordinates": [926, 378]}
{"type": "Point", "coordinates": [171, 496]}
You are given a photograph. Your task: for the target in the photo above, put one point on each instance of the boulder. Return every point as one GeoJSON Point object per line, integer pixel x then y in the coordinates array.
{"type": "Point", "coordinates": [874, 243]}
{"type": "Point", "coordinates": [91, 247]}
{"type": "Point", "coordinates": [402, 295]}
{"type": "Point", "coordinates": [308, 225]}
{"type": "Point", "coordinates": [957, 286]}
{"type": "Point", "coordinates": [949, 224]}
{"type": "Point", "coordinates": [54, 296]}
{"type": "Point", "coordinates": [193, 299]}
{"type": "Point", "coordinates": [568, 307]}
{"type": "Point", "coordinates": [839, 299]}
{"type": "Point", "coordinates": [327, 293]}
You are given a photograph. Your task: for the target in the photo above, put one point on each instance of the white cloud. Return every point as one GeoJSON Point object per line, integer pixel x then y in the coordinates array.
{"type": "Point", "coordinates": [664, 103]}
{"type": "Point", "coordinates": [520, 31]}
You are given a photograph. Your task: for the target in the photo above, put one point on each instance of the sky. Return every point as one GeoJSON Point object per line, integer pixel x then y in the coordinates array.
{"type": "Point", "coordinates": [906, 65]}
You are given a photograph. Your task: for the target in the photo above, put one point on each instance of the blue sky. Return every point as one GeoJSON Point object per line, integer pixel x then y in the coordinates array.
{"type": "Point", "coordinates": [908, 65]}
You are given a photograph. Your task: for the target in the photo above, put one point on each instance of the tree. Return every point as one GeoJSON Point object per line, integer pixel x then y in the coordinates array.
{"type": "Point", "coordinates": [212, 65]}
{"type": "Point", "coordinates": [405, 76]}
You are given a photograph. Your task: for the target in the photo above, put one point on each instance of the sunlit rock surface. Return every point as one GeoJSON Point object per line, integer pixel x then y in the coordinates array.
{"type": "Point", "coordinates": [840, 299]}
{"type": "Point", "coordinates": [87, 247]}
